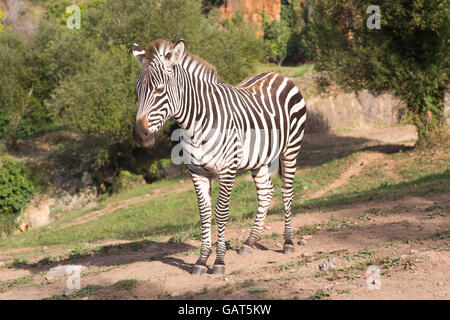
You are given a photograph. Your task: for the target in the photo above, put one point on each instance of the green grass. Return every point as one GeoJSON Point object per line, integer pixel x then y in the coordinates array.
{"type": "Point", "coordinates": [423, 186]}
{"type": "Point", "coordinates": [9, 284]}
{"type": "Point", "coordinates": [176, 215]}
{"type": "Point", "coordinates": [84, 292]}
{"type": "Point", "coordinates": [236, 272]}
{"type": "Point", "coordinates": [319, 294]}
{"type": "Point", "coordinates": [127, 284]}
{"type": "Point", "coordinates": [247, 283]}
{"type": "Point", "coordinates": [258, 290]}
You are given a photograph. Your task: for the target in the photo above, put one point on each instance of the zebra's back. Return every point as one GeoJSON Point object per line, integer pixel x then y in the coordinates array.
{"type": "Point", "coordinates": [272, 120]}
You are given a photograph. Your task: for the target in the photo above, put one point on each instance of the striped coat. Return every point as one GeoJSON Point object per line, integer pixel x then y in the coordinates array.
{"type": "Point", "coordinates": [257, 125]}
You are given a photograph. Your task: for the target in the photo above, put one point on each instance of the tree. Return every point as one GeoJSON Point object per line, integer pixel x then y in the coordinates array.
{"type": "Point", "coordinates": [276, 37]}
{"type": "Point", "coordinates": [100, 101]}
{"type": "Point", "coordinates": [408, 55]}
{"type": "Point", "coordinates": [16, 87]}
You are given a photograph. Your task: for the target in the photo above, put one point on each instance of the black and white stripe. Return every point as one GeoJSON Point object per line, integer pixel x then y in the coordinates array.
{"type": "Point", "coordinates": [250, 126]}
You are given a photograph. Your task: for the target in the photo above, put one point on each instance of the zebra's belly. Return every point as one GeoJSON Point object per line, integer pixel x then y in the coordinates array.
{"type": "Point", "coordinates": [261, 148]}
{"type": "Point", "coordinates": [249, 163]}
{"type": "Point", "coordinates": [212, 158]}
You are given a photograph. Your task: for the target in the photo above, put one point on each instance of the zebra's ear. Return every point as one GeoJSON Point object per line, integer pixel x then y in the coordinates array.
{"type": "Point", "coordinates": [139, 53]}
{"type": "Point", "coordinates": [176, 54]}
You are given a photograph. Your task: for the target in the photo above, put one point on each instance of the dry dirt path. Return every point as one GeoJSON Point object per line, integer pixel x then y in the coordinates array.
{"type": "Point", "coordinates": [163, 268]}
{"type": "Point", "coordinates": [399, 237]}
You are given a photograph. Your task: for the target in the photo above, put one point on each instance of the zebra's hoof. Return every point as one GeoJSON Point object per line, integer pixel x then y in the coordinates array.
{"type": "Point", "coordinates": [288, 248]}
{"type": "Point", "coordinates": [245, 249]}
{"type": "Point", "coordinates": [199, 269]}
{"type": "Point", "coordinates": [218, 269]}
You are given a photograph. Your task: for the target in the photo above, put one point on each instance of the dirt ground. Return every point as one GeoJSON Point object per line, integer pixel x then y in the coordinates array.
{"type": "Point", "coordinates": [379, 250]}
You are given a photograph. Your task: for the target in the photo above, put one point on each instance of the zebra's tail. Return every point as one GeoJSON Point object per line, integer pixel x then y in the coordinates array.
{"type": "Point", "coordinates": [280, 174]}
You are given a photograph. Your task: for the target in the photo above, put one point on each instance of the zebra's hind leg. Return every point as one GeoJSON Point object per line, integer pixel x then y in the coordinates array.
{"type": "Point", "coordinates": [226, 181]}
{"type": "Point", "coordinates": [287, 174]}
{"type": "Point", "coordinates": [264, 190]}
{"type": "Point", "coordinates": [202, 187]}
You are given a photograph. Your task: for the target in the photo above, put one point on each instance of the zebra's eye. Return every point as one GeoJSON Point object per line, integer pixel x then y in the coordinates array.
{"type": "Point", "coordinates": [159, 90]}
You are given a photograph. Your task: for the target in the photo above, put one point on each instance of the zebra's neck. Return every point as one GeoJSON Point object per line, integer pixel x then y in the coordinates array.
{"type": "Point", "coordinates": [199, 70]}
{"type": "Point", "coordinates": [197, 81]}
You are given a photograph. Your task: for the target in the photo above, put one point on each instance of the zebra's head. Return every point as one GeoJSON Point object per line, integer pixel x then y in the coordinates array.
{"type": "Point", "coordinates": [156, 88]}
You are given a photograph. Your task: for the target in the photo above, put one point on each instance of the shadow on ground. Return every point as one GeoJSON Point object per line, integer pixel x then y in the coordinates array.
{"type": "Point", "coordinates": [116, 255]}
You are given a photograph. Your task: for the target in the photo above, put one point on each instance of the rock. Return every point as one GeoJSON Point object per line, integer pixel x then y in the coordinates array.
{"type": "Point", "coordinates": [278, 245]}
{"type": "Point", "coordinates": [306, 256]}
{"type": "Point", "coordinates": [36, 214]}
{"type": "Point", "coordinates": [85, 298]}
{"type": "Point", "coordinates": [362, 108]}
{"type": "Point", "coordinates": [306, 237]}
{"type": "Point", "coordinates": [327, 265]}
{"type": "Point", "coordinates": [226, 279]}
{"type": "Point", "coordinates": [251, 9]}
{"type": "Point", "coordinates": [268, 227]}
{"type": "Point", "coordinates": [2, 264]}
{"type": "Point", "coordinates": [302, 242]}
{"type": "Point", "coordinates": [174, 294]}
{"type": "Point", "coordinates": [413, 251]}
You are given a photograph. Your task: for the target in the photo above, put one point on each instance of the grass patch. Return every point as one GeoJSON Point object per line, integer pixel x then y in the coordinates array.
{"type": "Point", "coordinates": [258, 290]}
{"type": "Point", "coordinates": [9, 284]}
{"type": "Point", "coordinates": [236, 272]}
{"type": "Point", "coordinates": [427, 185]}
{"type": "Point", "coordinates": [247, 283]}
{"type": "Point", "coordinates": [127, 284]}
{"type": "Point", "coordinates": [229, 291]}
{"type": "Point", "coordinates": [320, 294]}
{"type": "Point", "coordinates": [334, 224]}
{"type": "Point", "coordinates": [288, 266]}
{"type": "Point", "coordinates": [176, 215]}
{"type": "Point", "coordinates": [84, 292]}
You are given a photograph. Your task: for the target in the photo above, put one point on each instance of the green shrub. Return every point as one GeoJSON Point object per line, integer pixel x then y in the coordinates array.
{"type": "Point", "coordinates": [16, 186]}
{"type": "Point", "coordinates": [125, 180]}
{"type": "Point", "coordinates": [16, 191]}
{"type": "Point", "coordinates": [408, 55]}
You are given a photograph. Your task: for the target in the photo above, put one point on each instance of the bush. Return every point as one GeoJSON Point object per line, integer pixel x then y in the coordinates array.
{"type": "Point", "coordinates": [16, 186]}
{"type": "Point", "coordinates": [16, 191]}
{"type": "Point", "coordinates": [408, 55]}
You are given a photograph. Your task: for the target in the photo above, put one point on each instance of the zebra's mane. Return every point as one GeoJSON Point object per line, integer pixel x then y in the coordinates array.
{"type": "Point", "coordinates": [161, 47]}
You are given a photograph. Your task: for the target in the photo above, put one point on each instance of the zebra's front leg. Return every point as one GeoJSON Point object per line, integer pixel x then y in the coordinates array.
{"type": "Point", "coordinates": [264, 190]}
{"type": "Point", "coordinates": [226, 181]}
{"type": "Point", "coordinates": [202, 185]}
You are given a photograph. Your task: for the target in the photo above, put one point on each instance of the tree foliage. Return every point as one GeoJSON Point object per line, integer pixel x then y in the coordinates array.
{"type": "Point", "coordinates": [408, 55]}
{"type": "Point", "coordinates": [16, 186]}
{"type": "Point", "coordinates": [84, 79]}
{"type": "Point", "coordinates": [16, 89]}
{"type": "Point", "coordinates": [276, 36]}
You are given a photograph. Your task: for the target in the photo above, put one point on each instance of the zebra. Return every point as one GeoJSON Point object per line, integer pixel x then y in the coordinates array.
{"type": "Point", "coordinates": [217, 117]}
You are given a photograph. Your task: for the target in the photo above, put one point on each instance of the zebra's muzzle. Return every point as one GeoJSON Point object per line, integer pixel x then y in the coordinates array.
{"type": "Point", "coordinates": [142, 137]}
